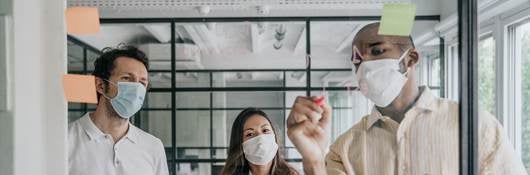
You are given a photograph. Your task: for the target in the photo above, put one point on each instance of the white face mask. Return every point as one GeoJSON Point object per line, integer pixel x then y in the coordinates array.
{"type": "Point", "coordinates": [381, 80]}
{"type": "Point", "coordinates": [261, 149]}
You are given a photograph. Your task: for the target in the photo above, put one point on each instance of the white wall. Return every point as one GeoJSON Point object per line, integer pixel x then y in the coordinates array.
{"type": "Point", "coordinates": [447, 8]}
{"type": "Point", "coordinates": [55, 107]}
{"type": "Point", "coordinates": [33, 128]}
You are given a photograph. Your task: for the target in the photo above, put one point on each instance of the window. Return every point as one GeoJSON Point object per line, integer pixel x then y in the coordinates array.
{"type": "Point", "coordinates": [434, 71]}
{"type": "Point", "coordinates": [486, 74]}
{"type": "Point", "coordinates": [191, 109]}
{"type": "Point", "coordinates": [451, 72]}
{"type": "Point", "coordinates": [522, 33]}
{"type": "Point", "coordinates": [80, 61]}
{"type": "Point", "coordinates": [3, 67]}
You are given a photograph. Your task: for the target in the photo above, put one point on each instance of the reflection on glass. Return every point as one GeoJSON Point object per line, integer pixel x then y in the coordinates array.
{"type": "Point", "coordinates": [224, 119]}
{"type": "Point", "coordinates": [275, 45]}
{"type": "Point", "coordinates": [159, 80]}
{"type": "Point", "coordinates": [191, 79]}
{"type": "Point", "coordinates": [184, 153]}
{"type": "Point", "coordinates": [91, 57]}
{"type": "Point", "coordinates": [236, 45]}
{"type": "Point", "coordinates": [248, 79]}
{"type": "Point", "coordinates": [348, 108]}
{"type": "Point", "coordinates": [192, 128]}
{"type": "Point", "coordinates": [435, 72]}
{"type": "Point", "coordinates": [295, 79]}
{"type": "Point", "coordinates": [486, 74]}
{"type": "Point", "coordinates": [73, 116]}
{"type": "Point", "coordinates": [75, 57]}
{"type": "Point", "coordinates": [260, 99]}
{"type": "Point", "coordinates": [158, 100]}
{"type": "Point", "coordinates": [157, 123]}
{"type": "Point", "coordinates": [151, 38]}
{"type": "Point", "coordinates": [331, 43]}
{"type": "Point", "coordinates": [523, 32]}
{"type": "Point", "coordinates": [220, 153]}
{"type": "Point", "coordinates": [193, 168]}
{"type": "Point", "coordinates": [185, 100]}
{"type": "Point", "coordinates": [333, 79]}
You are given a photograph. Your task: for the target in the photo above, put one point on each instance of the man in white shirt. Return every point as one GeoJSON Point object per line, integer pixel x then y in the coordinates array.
{"type": "Point", "coordinates": [409, 131]}
{"type": "Point", "coordinates": [103, 142]}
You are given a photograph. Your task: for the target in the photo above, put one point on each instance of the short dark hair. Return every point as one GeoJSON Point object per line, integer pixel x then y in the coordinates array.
{"type": "Point", "coordinates": [105, 63]}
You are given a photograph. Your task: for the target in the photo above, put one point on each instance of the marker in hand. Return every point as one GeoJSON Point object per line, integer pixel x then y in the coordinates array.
{"type": "Point", "coordinates": [319, 101]}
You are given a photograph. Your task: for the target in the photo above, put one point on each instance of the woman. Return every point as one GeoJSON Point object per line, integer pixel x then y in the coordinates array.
{"type": "Point", "coordinates": [254, 147]}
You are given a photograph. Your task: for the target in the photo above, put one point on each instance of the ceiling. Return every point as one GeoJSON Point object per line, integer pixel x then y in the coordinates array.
{"type": "Point", "coordinates": [248, 8]}
{"type": "Point", "coordinates": [242, 45]}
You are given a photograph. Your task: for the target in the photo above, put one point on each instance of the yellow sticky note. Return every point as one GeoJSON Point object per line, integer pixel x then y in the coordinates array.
{"type": "Point", "coordinates": [82, 20]}
{"type": "Point", "coordinates": [397, 19]}
{"type": "Point", "coordinates": [80, 88]}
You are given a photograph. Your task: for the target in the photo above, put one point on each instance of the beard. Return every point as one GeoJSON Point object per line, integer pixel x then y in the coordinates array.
{"type": "Point", "coordinates": [110, 110]}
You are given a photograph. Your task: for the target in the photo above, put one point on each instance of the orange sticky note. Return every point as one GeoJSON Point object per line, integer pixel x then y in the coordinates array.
{"type": "Point", "coordinates": [82, 20]}
{"type": "Point", "coordinates": [80, 88]}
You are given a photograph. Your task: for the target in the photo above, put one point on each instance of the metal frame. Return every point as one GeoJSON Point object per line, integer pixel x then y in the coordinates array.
{"type": "Point", "coordinates": [267, 19]}
{"type": "Point", "coordinates": [173, 104]}
{"type": "Point", "coordinates": [173, 158]}
{"type": "Point", "coordinates": [82, 44]}
{"type": "Point", "coordinates": [468, 106]}
{"type": "Point", "coordinates": [442, 68]}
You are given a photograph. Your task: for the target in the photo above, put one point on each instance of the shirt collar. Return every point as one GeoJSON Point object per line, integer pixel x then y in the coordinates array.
{"type": "Point", "coordinates": [424, 102]}
{"type": "Point", "coordinates": [94, 132]}
{"type": "Point", "coordinates": [132, 133]}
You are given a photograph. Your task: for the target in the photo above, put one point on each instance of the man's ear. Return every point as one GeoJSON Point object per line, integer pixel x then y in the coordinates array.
{"type": "Point", "coordinates": [414, 58]}
{"type": "Point", "coordinates": [100, 85]}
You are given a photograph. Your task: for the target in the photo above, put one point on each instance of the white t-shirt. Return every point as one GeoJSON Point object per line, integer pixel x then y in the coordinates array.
{"type": "Point", "coordinates": [92, 152]}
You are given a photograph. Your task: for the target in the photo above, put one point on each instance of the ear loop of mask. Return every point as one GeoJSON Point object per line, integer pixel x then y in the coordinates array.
{"type": "Point", "coordinates": [104, 95]}
{"type": "Point", "coordinates": [401, 58]}
{"type": "Point", "coordinates": [349, 84]}
{"type": "Point", "coordinates": [357, 56]}
{"type": "Point", "coordinates": [324, 93]}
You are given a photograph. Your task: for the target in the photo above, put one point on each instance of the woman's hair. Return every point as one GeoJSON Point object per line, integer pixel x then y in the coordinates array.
{"type": "Point", "coordinates": [236, 164]}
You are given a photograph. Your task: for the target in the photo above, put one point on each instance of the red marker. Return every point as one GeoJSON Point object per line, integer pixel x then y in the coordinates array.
{"type": "Point", "coordinates": [319, 101]}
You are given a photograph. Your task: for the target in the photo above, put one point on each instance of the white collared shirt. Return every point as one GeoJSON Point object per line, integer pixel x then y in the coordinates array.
{"type": "Point", "coordinates": [92, 152]}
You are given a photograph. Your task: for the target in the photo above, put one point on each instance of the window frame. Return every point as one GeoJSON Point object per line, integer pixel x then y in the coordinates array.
{"type": "Point", "coordinates": [514, 46]}
{"type": "Point", "coordinates": [485, 34]}
{"type": "Point", "coordinates": [173, 160]}
{"type": "Point", "coordinates": [509, 72]}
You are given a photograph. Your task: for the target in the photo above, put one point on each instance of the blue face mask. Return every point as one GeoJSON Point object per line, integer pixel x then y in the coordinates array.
{"type": "Point", "coordinates": [129, 99]}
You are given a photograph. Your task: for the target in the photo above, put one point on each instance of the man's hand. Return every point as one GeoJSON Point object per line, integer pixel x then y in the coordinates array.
{"type": "Point", "coordinates": [308, 129]}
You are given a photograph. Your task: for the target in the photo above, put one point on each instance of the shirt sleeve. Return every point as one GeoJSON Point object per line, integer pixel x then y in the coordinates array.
{"type": "Point", "coordinates": [496, 153]}
{"type": "Point", "coordinates": [334, 165]}
{"type": "Point", "coordinates": [161, 162]}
